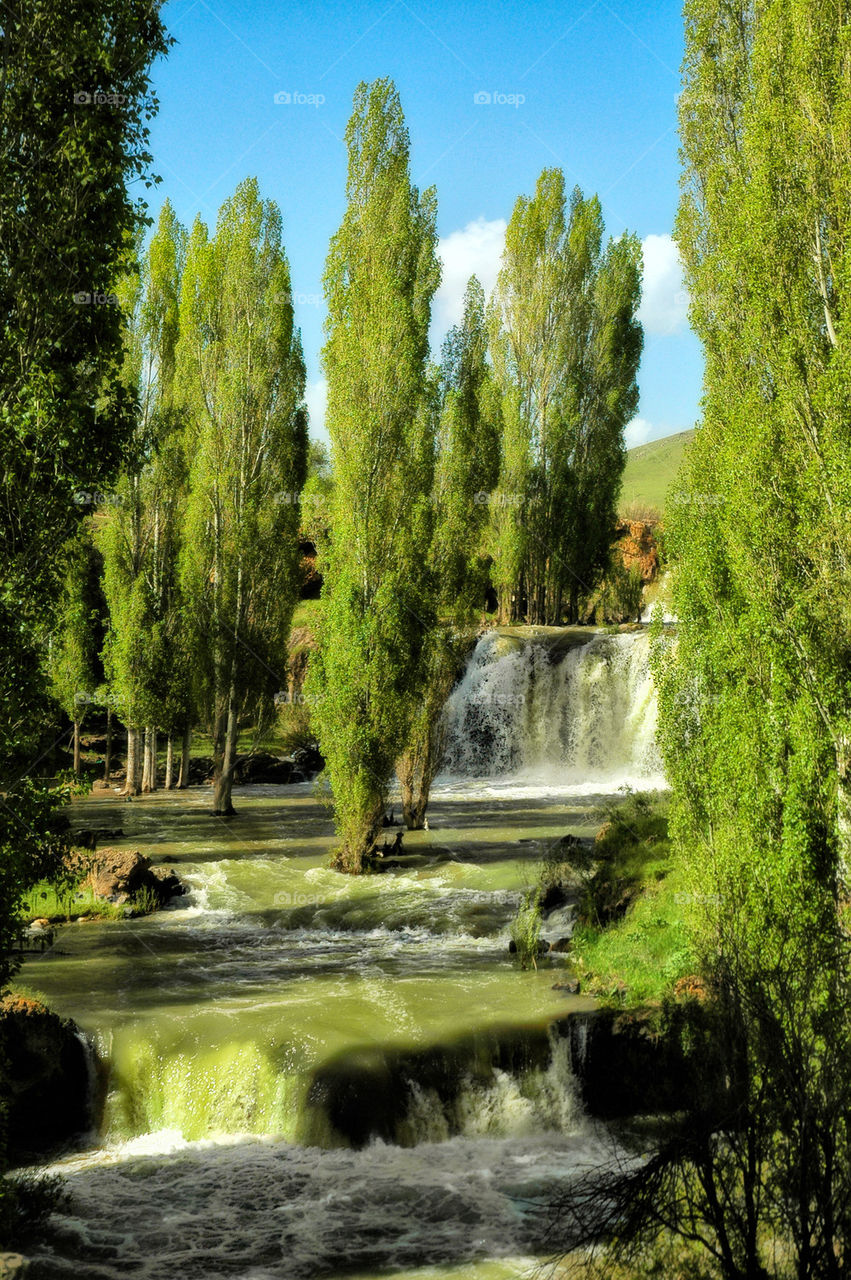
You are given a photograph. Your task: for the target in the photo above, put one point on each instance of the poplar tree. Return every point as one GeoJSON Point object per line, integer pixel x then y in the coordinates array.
{"type": "Point", "coordinates": [566, 346]}
{"type": "Point", "coordinates": [74, 654]}
{"type": "Point", "coordinates": [241, 377]}
{"type": "Point", "coordinates": [139, 528]}
{"type": "Point", "coordinates": [466, 472]}
{"type": "Point", "coordinates": [378, 607]}
{"type": "Point", "coordinates": [755, 692]}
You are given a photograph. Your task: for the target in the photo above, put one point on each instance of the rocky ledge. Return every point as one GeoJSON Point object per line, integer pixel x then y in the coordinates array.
{"type": "Point", "coordinates": [46, 1077]}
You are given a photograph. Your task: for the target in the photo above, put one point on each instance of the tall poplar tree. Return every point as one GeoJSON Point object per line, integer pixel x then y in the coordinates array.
{"type": "Point", "coordinates": [74, 663]}
{"type": "Point", "coordinates": [566, 346]}
{"type": "Point", "coordinates": [140, 526]}
{"type": "Point", "coordinates": [241, 378]}
{"type": "Point", "coordinates": [380, 276]}
{"type": "Point", "coordinates": [466, 472]}
{"type": "Point", "coordinates": [756, 690]}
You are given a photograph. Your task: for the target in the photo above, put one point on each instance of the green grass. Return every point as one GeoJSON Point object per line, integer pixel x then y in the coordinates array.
{"type": "Point", "coordinates": [631, 943]}
{"type": "Point", "coordinates": [306, 613]}
{"type": "Point", "coordinates": [651, 469]}
{"type": "Point", "coordinates": [46, 901]}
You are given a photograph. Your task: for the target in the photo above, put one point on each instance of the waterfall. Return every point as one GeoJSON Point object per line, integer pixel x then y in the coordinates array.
{"type": "Point", "coordinates": [576, 713]}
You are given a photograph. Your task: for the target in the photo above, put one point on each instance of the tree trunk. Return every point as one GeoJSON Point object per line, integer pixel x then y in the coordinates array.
{"type": "Point", "coordinates": [415, 783]}
{"type": "Point", "coordinates": [107, 755]}
{"type": "Point", "coordinates": [152, 758]}
{"type": "Point", "coordinates": [146, 771]}
{"type": "Point", "coordinates": [183, 776]}
{"type": "Point", "coordinates": [77, 748]}
{"type": "Point", "coordinates": [169, 761]}
{"type": "Point", "coordinates": [224, 765]}
{"type": "Point", "coordinates": [131, 782]}
{"type": "Point", "coordinates": [843, 815]}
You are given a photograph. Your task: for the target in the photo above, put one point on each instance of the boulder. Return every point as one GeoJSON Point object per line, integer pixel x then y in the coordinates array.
{"type": "Point", "coordinates": [117, 875]}
{"type": "Point", "coordinates": [200, 769]}
{"type": "Point", "coordinates": [543, 947]}
{"type": "Point", "coordinates": [308, 761]}
{"type": "Point", "coordinates": [561, 944]}
{"type": "Point", "coordinates": [571, 987]}
{"type": "Point", "coordinates": [262, 766]}
{"type": "Point", "coordinates": [47, 1077]}
{"type": "Point", "coordinates": [91, 837]}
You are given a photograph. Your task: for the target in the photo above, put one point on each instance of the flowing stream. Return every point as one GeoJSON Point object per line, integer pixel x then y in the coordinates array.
{"type": "Point", "coordinates": [306, 1074]}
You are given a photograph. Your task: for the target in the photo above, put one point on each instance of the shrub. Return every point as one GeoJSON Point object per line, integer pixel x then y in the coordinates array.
{"type": "Point", "coordinates": [526, 930]}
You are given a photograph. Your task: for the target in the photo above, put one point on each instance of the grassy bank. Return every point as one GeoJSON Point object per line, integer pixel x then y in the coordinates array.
{"type": "Point", "coordinates": [630, 944]}
{"type": "Point", "coordinates": [631, 941]}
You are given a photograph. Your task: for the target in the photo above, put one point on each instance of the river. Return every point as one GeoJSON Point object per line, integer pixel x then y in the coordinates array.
{"type": "Point", "coordinates": [307, 1074]}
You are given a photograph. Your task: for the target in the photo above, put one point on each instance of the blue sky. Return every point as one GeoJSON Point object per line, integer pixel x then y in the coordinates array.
{"type": "Point", "coordinates": [492, 95]}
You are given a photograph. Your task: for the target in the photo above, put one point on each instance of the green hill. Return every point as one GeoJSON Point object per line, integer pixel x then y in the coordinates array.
{"type": "Point", "coordinates": [650, 469]}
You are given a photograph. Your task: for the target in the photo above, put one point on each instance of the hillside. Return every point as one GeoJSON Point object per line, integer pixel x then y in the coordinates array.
{"type": "Point", "coordinates": [650, 469]}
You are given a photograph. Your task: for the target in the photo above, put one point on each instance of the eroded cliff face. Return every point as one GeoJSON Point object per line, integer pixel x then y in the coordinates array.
{"type": "Point", "coordinates": [637, 543]}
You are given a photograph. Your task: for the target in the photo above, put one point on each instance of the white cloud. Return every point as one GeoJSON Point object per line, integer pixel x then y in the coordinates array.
{"type": "Point", "coordinates": [639, 431]}
{"type": "Point", "coordinates": [475, 250]}
{"type": "Point", "coordinates": [664, 302]}
{"type": "Point", "coordinates": [316, 395]}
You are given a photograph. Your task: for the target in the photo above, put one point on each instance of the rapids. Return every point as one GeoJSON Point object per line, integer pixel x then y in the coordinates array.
{"type": "Point", "coordinates": [307, 1074]}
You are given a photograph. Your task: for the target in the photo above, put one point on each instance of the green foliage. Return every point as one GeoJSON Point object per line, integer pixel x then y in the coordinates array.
{"type": "Point", "coordinates": [632, 938]}
{"type": "Point", "coordinates": [32, 848]}
{"type": "Point", "coordinates": [74, 658]}
{"type": "Point", "coordinates": [241, 384]}
{"type": "Point", "coordinates": [525, 930]}
{"type": "Point", "coordinates": [620, 600]}
{"type": "Point", "coordinates": [26, 1202]}
{"type": "Point", "coordinates": [755, 689]}
{"type": "Point", "coordinates": [66, 221]}
{"type": "Point", "coordinates": [145, 901]}
{"type": "Point", "coordinates": [565, 346]}
{"type": "Point", "coordinates": [377, 601]}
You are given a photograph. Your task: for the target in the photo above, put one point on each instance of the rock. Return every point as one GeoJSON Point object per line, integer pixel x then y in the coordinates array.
{"type": "Point", "coordinates": [543, 947]}
{"type": "Point", "coordinates": [13, 1264]}
{"type": "Point", "coordinates": [47, 1077]}
{"type": "Point", "coordinates": [117, 875]}
{"type": "Point", "coordinates": [571, 987]}
{"type": "Point", "coordinates": [308, 760]}
{"type": "Point", "coordinates": [99, 784]}
{"type": "Point", "coordinates": [561, 944]}
{"type": "Point", "coordinates": [200, 769]}
{"type": "Point", "coordinates": [262, 766]}
{"type": "Point", "coordinates": [38, 936]}
{"type": "Point", "coordinates": [639, 1061]}
{"type": "Point", "coordinates": [91, 837]}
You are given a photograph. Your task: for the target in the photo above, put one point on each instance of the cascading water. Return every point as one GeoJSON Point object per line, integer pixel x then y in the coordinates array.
{"type": "Point", "coordinates": [310, 1074]}
{"type": "Point", "coordinates": [580, 715]}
